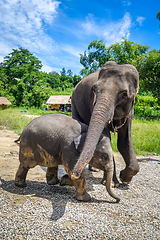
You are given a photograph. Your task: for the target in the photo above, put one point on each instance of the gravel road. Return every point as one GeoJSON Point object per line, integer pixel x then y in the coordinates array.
{"type": "Point", "coordinates": [40, 211]}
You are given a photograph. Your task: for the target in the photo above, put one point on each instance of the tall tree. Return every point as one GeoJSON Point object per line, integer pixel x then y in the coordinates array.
{"type": "Point", "coordinates": [98, 54]}
{"type": "Point", "coordinates": [20, 62]}
{"type": "Point", "coordinates": [63, 72]}
{"type": "Point", "coordinates": [150, 73]}
{"type": "Point", "coordinates": [69, 72]}
{"type": "Point", "coordinates": [158, 15]}
{"type": "Point", "coordinates": [21, 68]}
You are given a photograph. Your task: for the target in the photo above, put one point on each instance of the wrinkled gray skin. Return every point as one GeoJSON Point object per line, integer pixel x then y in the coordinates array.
{"type": "Point", "coordinates": [104, 100]}
{"type": "Point", "coordinates": [56, 139]}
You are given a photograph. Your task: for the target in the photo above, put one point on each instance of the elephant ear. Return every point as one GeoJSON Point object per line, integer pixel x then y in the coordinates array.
{"type": "Point", "coordinates": [79, 141]}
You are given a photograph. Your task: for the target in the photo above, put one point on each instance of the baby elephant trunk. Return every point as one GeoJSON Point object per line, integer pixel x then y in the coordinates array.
{"type": "Point", "coordinates": [109, 176]}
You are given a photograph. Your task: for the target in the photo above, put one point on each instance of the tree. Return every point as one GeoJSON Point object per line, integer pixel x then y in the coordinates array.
{"type": "Point", "coordinates": [69, 72]}
{"type": "Point", "coordinates": [76, 79]}
{"type": "Point", "coordinates": [19, 62]}
{"type": "Point", "coordinates": [98, 54]}
{"type": "Point", "coordinates": [21, 68]}
{"type": "Point", "coordinates": [150, 74]}
{"type": "Point", "coordinates": [22, 81]}
{"type": "Point", "coordinates": [158, 15]}
{"type": "Point", "coordinates": [63, 72]}
{"type": "Point", "coordinates": [54, 79]}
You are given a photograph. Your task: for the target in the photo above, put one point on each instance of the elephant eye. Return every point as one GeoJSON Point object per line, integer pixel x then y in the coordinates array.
{"type": "Point", "coordinates": [123, 94]}
{"type": "Point", "coordinates": [104, 156]}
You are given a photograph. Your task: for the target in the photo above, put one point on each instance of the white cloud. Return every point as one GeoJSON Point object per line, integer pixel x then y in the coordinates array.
{"type": "Point", "coordinates": [126, 3]}
{"type": "Point", "coordinates": [22, 24]}
{"type": "Point", "coordinates": [112, 32]}
{"type": "Point", "coordinates": [140, 20]}
{"type": "Point", "coordinates": [46, 68]}
{"type": "Point", "coordinates": [71, 50]}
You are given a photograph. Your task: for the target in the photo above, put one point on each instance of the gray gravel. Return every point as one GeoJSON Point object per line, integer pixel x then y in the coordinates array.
{"type": "Point", "coordinates": [41, 211]}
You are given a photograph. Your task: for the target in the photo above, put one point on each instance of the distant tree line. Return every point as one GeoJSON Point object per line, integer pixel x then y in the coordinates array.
{"type": "Point", "coordinates": [24, 84]}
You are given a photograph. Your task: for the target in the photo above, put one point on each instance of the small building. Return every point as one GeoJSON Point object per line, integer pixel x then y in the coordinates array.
{"type": "Point", "coordinates": [4, 102]}
{"type": "Point", "coordinates": [59, 102]}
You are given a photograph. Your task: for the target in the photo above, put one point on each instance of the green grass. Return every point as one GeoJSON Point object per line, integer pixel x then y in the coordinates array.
{"type": "Point", "coordinates": [145, 136]}
{"type": "Point", "coordinates": [38, 111]}
{"type": "Point", "coordinates": [145, 132]}
{"type": "Point", "coordinates": [16, 120]}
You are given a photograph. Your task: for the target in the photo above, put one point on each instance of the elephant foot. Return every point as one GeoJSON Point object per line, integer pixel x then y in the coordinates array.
{"type": "Point", "coordinates": [83, 197]}
{"type": "Point", "coordinates": [126, 175]}
{"type": "Point", "coordinates": [20, 183]}
{"type": "Point", "coordinates": [114, 184]}
{"type": "Point", "coordinates": [65, 180]}
{"type": "Point", "coordinates": [53, 181]}
{"type": "Point", "coordinates": [20, 179]}
{"type": "Point", "coordinates": [51, 175]}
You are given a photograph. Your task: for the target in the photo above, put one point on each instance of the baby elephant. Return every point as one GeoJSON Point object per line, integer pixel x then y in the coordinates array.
{"type": "Point", "coordinates": [56, 139]}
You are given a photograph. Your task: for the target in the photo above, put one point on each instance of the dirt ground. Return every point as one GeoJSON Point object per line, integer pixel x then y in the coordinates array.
{"type": "Point", "coordinates": [41, 211]}
{"type": "Point", "coordinates": [9, 157]}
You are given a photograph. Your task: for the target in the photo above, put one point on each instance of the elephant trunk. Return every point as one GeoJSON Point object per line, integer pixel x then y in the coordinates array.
{"type": "Point", "coordinates": [103, 112]}
{"type": "Point", "coordinates": [109, 176]}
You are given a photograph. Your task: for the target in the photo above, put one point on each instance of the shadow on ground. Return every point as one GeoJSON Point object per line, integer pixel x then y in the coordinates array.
{"type": "Point", "coordinates": [58, 195]}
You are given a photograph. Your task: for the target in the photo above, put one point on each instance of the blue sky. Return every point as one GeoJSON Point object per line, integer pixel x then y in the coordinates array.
{"type": "Point", "coordinates": [56, 32]}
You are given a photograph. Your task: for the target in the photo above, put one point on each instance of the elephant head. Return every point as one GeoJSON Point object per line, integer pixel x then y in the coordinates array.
{"type": "Point", "coordinates": [113, 96]}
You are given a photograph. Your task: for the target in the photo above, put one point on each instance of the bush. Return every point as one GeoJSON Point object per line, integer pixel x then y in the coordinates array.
{"type": "Point", "coordinates": [146, 106]}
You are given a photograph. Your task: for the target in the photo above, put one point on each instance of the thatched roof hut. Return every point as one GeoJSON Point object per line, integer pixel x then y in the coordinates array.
{"type": "Point", "coordinates": [57, 101]}
{"type": "Point", "coordinates": [4, 102]}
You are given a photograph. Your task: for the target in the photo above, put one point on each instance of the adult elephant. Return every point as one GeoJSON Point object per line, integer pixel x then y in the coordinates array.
{"type": "Point", "coordinates": [104, 100]}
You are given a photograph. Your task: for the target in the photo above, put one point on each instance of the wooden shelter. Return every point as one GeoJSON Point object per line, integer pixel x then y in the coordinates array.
{"type": "Point", "coordinates": [4, 102]}
{"type": "Point", "coordinates": [58, 102]}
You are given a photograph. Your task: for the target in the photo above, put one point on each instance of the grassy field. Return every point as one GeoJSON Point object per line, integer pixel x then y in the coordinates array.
{"type": "Point", "coordinates": [145, 133]}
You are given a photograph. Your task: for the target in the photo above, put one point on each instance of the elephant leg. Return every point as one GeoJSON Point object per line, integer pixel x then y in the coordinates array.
{"type": "Point", "coordinates": [80, 186]}
{"type": "Point", "coordinates": [65, 180]}
{"type": "Point", "coordinates": [125, 147]}
{"type": "Point", "coordinates": [20, 179]}
{"type": "Point", "coordinates": [51, 175]}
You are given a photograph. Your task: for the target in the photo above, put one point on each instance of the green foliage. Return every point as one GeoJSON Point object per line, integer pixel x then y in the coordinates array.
{"type": "Point", "coordinates": [124, 52]}
{"type": "Point", "coordinates": [149, 72]}
{"type": "Point", "coordinates": [18, 63]}
{"type": "Point", "coordinates": [97, 55]}
{"type": "Point", "coordinates": [22, 82]}
{"type": "Point", "coordinates": [147, 101]}
{"type": "Point", "coordinates": [146, 106]}
{"type": "Point", "coordinates": [158, 15]}
{"type": "Point", "coordinates": [127, 52]}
